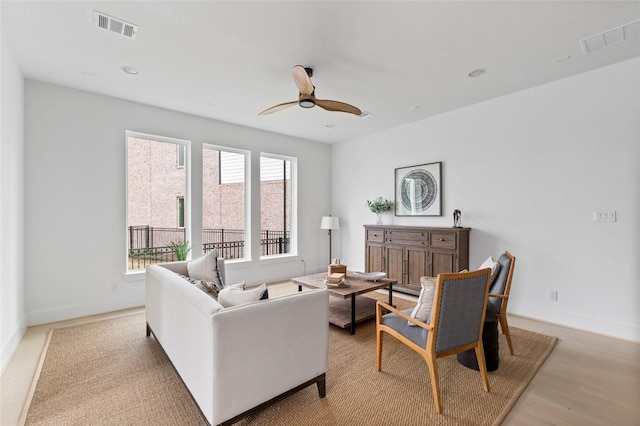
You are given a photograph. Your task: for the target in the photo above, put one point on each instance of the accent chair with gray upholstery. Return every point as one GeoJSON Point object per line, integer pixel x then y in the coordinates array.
{"type": "Point", "coordinates": [499, 294]}
{"type": "Point", "coordinates": [454, 324]}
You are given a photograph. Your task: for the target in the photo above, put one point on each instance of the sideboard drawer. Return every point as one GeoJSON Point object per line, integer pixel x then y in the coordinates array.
{"type": "Point", "coordinates": [407, 237]}
{"type": "Point", "coordinates": [443, 240]}
{"type": "Point", "coordinates": [375, 235]}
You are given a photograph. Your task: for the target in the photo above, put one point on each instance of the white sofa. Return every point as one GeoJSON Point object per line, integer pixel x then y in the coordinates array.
{"type": "Point", "coordinates": [237, 360]}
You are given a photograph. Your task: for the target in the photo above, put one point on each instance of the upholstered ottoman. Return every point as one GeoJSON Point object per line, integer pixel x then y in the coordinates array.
{"type": "Point", "coordinates": [490, 343]}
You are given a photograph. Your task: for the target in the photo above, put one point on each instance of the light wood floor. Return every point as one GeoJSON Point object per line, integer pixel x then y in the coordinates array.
{"type": "Point", "coordinates": [588, 379]}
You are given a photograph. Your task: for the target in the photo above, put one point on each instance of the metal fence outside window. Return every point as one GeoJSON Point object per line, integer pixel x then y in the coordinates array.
{"type": "Point", "coordinates": [149, 245]}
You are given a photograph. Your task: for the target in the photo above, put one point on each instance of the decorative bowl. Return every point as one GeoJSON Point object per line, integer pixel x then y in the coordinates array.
{"type": "Point", "coordinates": [370, 276]}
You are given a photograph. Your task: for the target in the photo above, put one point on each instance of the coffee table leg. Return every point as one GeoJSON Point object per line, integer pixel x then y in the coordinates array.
{"type": "Point", "coordinates": [353, 313]}
{"type": "Point", "coordinates": [391, 294]}
{"type": "Point", "coordinates": [299, 288]}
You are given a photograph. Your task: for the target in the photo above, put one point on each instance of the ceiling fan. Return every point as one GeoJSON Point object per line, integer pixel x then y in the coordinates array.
{"type": "Point", "coordinates": [307, 99]}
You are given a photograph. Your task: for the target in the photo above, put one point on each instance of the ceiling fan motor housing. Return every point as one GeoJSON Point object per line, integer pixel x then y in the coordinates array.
{"type": "Point", "coordinates": [306, 101]}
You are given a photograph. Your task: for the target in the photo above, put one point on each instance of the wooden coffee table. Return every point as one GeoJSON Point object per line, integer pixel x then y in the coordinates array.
{"type": "Point", "coordinates": [347, 313]}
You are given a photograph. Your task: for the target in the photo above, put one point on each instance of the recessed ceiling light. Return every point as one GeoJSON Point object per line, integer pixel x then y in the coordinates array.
{"type": "Point", "coordinates": [330, 126]}
{"type": "Point", "coordinates": [477, 73]}
{"type": "Point", "coordinates": [130, 70]}
{"type": "Point", "coordinates": [413, 108]}
{"type": "Point", "coordinates": [87, 74]}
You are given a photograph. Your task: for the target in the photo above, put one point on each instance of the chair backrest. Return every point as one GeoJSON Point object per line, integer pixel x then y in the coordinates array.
{"type": "Point", "coordinates": [502, 283]}
{"type": "Point", "coordinates": [458, 312]}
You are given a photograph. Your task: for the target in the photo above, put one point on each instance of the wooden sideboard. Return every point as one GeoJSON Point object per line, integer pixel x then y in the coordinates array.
{"type": "Point", "coordinates": [407, 253]}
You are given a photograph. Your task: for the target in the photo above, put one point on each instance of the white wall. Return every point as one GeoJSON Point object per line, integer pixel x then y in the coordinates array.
{"type": "Point", "coordinates": [75, 197]}
{"type": "Point", "coordinates": [527, 171]}
{"type": "Point", "coordinates": [12, 309]}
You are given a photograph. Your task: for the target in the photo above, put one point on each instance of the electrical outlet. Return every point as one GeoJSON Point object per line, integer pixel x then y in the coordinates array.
{"type": "Point", "coordinates": [114, 285]}
{"type": "Point", "coordinates": [553, 295]}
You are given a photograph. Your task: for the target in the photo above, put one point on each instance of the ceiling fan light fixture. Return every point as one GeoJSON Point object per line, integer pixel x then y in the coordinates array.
{"type": "Point", "coordinates": [307, 98]}
{"type": "Point", "coordinates": [307, 103]}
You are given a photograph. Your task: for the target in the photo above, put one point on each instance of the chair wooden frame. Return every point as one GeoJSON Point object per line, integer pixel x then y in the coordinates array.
{"type": "Point", "coordinates": [429, 353]}
{"type": "Point", "coordinates": [502, 315]}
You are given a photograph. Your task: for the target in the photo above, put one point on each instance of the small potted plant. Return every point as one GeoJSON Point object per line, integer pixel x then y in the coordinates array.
{"type": "Point", "coordinates": [180, 249]}
{"type": "Point", "coordinates": [379, 206]}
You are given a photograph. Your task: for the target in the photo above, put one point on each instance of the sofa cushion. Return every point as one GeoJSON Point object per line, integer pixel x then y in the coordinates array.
{"type": "Point", "coordinates": [206, 268]}
{"type": "Point", "coordinates": [233, 296]}
{"type": "Point", "coordinates": [193, 281]}
{"type": "Point", "coordinates": [493, 265]}
{"type": "Point", "coordinates": [422, 311]}
{"type": "Point", "coordinates": [210, 288]}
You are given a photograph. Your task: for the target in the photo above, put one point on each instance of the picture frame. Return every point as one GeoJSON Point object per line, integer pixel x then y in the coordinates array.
{"type": "Point", "coordinates": [418, 190]}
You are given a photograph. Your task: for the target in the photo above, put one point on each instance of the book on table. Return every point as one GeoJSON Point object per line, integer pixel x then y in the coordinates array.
{"type": "Point", "coordinates": [336, 280]}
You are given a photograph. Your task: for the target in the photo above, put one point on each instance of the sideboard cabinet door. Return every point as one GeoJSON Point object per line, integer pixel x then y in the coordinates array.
{"type": "Point", "coordinates": [374, 261]}
{"type": "Point", "coordinates": [416, 266]}
{"type": "Point", "coordinates": [395, 263]}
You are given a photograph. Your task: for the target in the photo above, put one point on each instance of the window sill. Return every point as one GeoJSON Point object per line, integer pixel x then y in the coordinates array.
{"type": "Point", "coordinates": [134, 276]}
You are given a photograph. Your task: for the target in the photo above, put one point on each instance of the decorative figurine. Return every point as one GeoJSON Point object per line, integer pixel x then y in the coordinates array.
{"type": "Point", "coordinates": [457, 223]}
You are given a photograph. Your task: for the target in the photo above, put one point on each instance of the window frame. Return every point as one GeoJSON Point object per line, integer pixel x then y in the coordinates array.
{"type": "Point", "coordinates": [293, 178]}
{"type": "Point", "coordinates": [129, 134]}
{"type": "Point", "coordinates": [247, 256]}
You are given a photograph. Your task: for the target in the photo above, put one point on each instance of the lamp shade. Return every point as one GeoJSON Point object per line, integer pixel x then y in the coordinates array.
{"type": "Point", "coordinates": [330, 222]}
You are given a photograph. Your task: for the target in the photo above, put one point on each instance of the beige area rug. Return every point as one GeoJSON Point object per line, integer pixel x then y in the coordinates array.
{"type": "Point", "coordinates": [109, 373]}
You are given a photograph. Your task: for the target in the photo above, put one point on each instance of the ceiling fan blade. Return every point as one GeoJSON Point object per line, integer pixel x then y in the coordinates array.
{"type": "Point", "coordinates": [300, 76]}
{"type": "Point", "coordinates": [278, 107]}
{"type": "Point", "coordinates": [337, 106]}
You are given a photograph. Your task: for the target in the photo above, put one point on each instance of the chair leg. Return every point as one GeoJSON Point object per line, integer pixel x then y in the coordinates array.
{"type": "Point", "coordinates": [505, 330]}
{"type": "Point", "coordinates": [435, 383]}
{"type": "Point", "coordinates": [482, 365]}
{"type": "Point", "coordinates": [379, 349]}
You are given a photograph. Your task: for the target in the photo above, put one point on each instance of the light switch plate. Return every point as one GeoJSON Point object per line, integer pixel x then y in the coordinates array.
{"type": "Point", "coordinates": [604, 216]}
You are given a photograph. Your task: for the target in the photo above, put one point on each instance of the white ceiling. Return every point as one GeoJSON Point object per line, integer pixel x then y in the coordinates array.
{"type": "Point", "coordinates": [400, 61]}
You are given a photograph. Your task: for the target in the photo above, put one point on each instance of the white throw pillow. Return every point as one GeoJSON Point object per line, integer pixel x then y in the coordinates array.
{"type": "Point", "coordinates": [233, 296]}
{"type": "Point", "coordinates": [205, 268]}
{"type": "Point", "coordinates": [493, 264]}
{"type": "Point", "coordinates": [239, 285]}
{"type": "Point", "coordinates": [422, 311]}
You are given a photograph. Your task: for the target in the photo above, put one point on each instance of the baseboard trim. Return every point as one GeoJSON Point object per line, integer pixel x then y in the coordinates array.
{"type": "Point", "coordinates": [83, 310]}
{"type": "Point", "coordinates": [597, 326]}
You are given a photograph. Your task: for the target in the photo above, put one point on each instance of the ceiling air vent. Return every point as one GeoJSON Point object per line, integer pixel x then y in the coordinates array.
{"type": "Point", "coordinates": [610, 37]}
{"type": "Point", "coordinates": [115, 25]}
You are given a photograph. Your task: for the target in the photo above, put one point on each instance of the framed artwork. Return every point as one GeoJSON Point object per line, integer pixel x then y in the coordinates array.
{"type": "Point", "coordinates": [419, 190]}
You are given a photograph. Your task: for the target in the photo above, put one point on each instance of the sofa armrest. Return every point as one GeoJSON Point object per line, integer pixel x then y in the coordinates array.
{"type": "Point", "coordinates": [264, 349]}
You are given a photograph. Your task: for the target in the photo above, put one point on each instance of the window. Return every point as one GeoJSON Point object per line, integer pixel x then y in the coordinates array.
{"type": "Point", "coordinates": [180, 212]}
{"type": "Point", "coordinates": [154, 183]}
{"type": "Point", "coordinates": [224, 211]}
{"type": "Point", "coordinates": [277, 205]}
{"type": "Point", "coordinates": [181, 152]}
